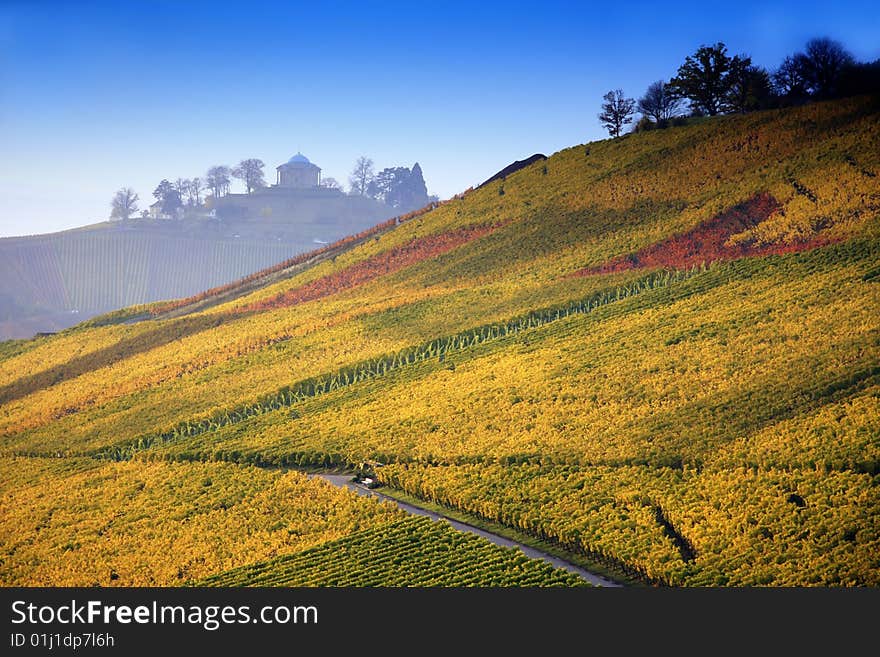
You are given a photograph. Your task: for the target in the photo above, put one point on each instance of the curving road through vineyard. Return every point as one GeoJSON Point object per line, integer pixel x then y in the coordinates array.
{"type": "Point", "coordinates": [345, 481]}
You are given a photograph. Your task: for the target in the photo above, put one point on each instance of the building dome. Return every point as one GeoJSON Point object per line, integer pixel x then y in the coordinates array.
{"type": "Point", "coordinates": [300, 159]}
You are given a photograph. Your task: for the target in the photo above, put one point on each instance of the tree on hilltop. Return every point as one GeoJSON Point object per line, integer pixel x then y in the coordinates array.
{"type": "Point", "coordinates": [749, 87]}
{"type": "Point", "coordinates": [163, 190]}
{"type": "Point", "coordinates": [361, 176]}
{"type": "Point", "coordinates": [617, 111]}
{"type": "Point", "coordinates": [181, 186]}
{"type": "Point", "coordinates": [859, 78]}
{"type": "Point", "coordinates": [416, 188]}
{"type": "Point", "coordinates": [218, 179]}
{"type": "Point", "coordinates": [821, 65]}
{"type": "Point", "coordinates": [194, 192]}
{"type": "Point", "coordinates": [250, 172]}
{"type": "Point", "coordinates": [788, 80]}
{"type": "Point", "coordinates": [388, 184]}
{"type": "Point", "coordinates": [658, 103]}
{"type": "Point", "coordinates": [124, 204]}
{"type": "Point", "coordinates": [168, 197]}
{"type": "Point", "coordinates": [704, 79]}
{"type": "Point", "coordinates": [400, 187]}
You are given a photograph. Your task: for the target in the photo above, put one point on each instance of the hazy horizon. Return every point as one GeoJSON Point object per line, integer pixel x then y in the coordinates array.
{"type": "Point", "coordinates": [100, 96]}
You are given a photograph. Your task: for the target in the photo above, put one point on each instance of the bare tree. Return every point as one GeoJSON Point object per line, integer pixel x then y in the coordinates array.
{"type": "Point", "coordinates": [250, 172]}
{"type": "Point", "coordinates": [330, 183]}
{"type": "Point", "coordinates": [788, 79]}
{"type": "Point", "coordinates": [181, 186]}
{"type": "Point", "coordinates": [194, 193]}
{"type": "Point", "coordinates": [658, 103]}
{"type": "Point", "coordinates": [124, 204]}
{"type": "Point", "coordinates": [361, 176]}
{"type": "Point", "coordinates": [617, 111]}
{"type": "Point", "coordinates": [218, 179]}
{"type": "Point", "coordinates": [822, 64]}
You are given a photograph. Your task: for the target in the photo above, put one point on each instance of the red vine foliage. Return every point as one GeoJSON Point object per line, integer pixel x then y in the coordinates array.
{"type": "Point", "coordinates": [414, 251]}
{"type": "Point", "coordinates": [335, 247]}
{"type": "Point", "coordinates": [706, 242]}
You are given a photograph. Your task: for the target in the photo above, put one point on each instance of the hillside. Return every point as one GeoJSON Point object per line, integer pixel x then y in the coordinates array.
{"type": "Point", "coordinates": [659, 352]}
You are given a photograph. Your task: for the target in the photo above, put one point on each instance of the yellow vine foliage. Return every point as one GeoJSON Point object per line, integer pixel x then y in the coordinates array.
{"type": "Point", "coordinates": [80, 522]}
{"type": "Point", "coordinates": [719, 427]}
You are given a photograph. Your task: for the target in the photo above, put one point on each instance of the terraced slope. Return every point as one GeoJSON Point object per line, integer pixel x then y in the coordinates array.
{"type": "Point", "coordinates": [660, 351]}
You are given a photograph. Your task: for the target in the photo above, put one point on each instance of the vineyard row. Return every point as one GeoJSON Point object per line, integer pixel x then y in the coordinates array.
{"type": "Point", "coordinates": [382, 365]}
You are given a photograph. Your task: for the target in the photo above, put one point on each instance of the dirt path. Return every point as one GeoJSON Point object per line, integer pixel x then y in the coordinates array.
{"type": "Point", "coordinates": [344, 481]}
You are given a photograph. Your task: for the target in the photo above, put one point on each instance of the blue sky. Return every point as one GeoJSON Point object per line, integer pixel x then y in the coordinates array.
{"type": "Point", "coordinates": [99, 95]}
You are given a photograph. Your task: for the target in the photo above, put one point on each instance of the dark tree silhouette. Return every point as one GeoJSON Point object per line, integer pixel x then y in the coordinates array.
{"type": "Point", "coordinates": [703, 79]}
{"type": "Point", "coordinates": [617, 111]}
{"type": "Point", "coordinates": [789, 81]}
{"type": "Point", "coordinates": [822, 64]}
{"type": "Point", "coordinates": [658, 103]}
{"type": "Point", "coordinates": [749, 87]}
{"type": "Point", "coordinates": [860, 78]}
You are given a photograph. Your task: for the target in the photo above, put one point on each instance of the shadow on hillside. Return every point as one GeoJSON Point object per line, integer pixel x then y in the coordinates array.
{"type": "Point", "coordinates": [141, 342]}
{"type": "Point", "coordinates": [732, 415]}
{"type": "Point", "coordinates": [541, 234]}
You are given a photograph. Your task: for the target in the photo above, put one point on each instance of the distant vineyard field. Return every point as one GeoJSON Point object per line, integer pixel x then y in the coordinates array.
{"type": "Point", "coordinates": [89, 272]}
{"type": "Point", "coordinates": [102, 270]}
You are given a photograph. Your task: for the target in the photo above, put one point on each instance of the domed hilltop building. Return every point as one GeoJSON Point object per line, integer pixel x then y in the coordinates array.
{"type": "Point", "coordinates": [50, 282]}
{"type": "Point", "coordinates": [298, 198]}
{"type": "Point", "coordinates": [298, 173]}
